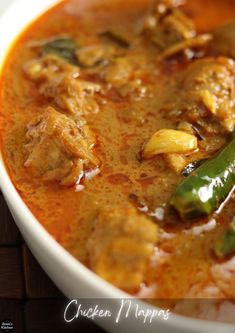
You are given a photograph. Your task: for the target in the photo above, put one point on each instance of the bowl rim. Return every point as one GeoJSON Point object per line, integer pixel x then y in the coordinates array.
{"type": "Point", "coordinates": [23, 216]}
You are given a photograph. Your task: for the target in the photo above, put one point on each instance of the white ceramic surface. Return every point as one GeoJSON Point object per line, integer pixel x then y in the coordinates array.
{"type": "Point", "coordinates": [71, 277]}
{"type": "Point", "coordinates": [3, 5]}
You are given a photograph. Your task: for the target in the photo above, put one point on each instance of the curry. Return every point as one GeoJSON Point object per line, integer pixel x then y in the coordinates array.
{"type": "Point", "coordinates": [117, 129]}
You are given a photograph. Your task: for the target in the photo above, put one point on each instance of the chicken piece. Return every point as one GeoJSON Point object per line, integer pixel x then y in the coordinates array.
{"type": "Point", "coordinates": [167, 25]}
{"type": "Point", "coordinates": [158, 9]}
{"type": "Point", "coordinates": [118, 72]}
{"type": "Point", "coordinates": [188, 46]}
{"type": "Point", "coordinates": [176, 162]}
{"type": "Point", "coordinates": [124, 75]}
{"type": "Point", "coordinates": [59, 82]}
{"type": "Point", "coordinates": [224, 276]}
{"type": "Point", "coordinates": [96, 54]}
{"type": "Point", "coordinates": [208, 90]}
{"type": "Point", "coordinates": [121, 245]}
{"type": "Point", "coordinates": [43, 68]}
{"type": "Point", "coordinates": [59, 148]}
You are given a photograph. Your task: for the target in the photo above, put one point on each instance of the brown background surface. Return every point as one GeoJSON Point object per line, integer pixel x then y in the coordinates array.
{"type": "Point", "coordinates": [27, 296]}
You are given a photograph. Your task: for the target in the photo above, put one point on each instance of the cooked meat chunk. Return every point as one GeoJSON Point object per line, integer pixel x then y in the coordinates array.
{"type": "Point", "coordinates": [96, 54]}
{"type": "Point", "coordinates": [121, 245]}
{"type": "Point", "coordinates": [43, 68]}
{"type": "Point", "coordinates": [208, 91]}
{"type": "Point", "coordinates": [176, 162]}
{"type": "Point", "coordinates": [188, 47]}
{"type": "Point", "coordinates": [158, 9]}
{"type": "Point", "coordinates": [60, 82]}
{"type": "Point", "coordinates": [224, 275]}
{"type": "Point", "coordinates": [118, 72]}
{"type": "Point", "coordinates": [58, 148]}
{"type": "Point", "coordinates": [167, 25]}
{"type": "Point", "coordinates": [125, 75]}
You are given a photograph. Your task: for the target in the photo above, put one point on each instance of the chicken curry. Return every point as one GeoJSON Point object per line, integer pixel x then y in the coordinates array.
{"type": "Point", "coordinates": [117, 124]}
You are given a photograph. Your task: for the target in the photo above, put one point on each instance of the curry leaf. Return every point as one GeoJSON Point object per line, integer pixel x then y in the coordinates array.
{"type": "Point", "coordinates": [116, 39]}
{"type": "Point", "coordinates": [62, 47]}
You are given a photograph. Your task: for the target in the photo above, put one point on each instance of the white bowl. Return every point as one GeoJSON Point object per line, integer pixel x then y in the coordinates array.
{"type": "Point", "coordinates": [71, 277]}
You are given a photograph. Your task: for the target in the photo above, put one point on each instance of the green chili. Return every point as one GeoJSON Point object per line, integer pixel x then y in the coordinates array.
{"type": "Point", "coordinates": [206, 189]}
